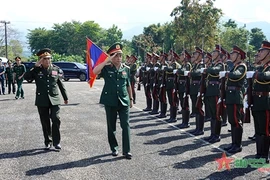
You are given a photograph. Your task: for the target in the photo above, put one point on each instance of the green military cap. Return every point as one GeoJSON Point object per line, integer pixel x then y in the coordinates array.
{"type": "Point", "coordinates": [115, 48]}
{"type": "Point", "coordinates": [44, 52]}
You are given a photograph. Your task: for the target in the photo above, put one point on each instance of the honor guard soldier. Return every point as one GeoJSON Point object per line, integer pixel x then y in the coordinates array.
{"type": "Point", "coordinates": [116, 97]}
{"type": "Point", "coordinates": [9, 77]}
{"type": "Point", "coordinates": [212, 92]}
{"type": "Point", "coordinates": [234, 98]}
{"type": "Point", "coordinates": [170, 84]}
{"type": "Point", "coordinates": [261, 99]}
{"type": "Point", "coordinates": [48, 83]}
{"type": "Point", "coordinates": [181, 86]}
{"type": "Point", "coordinates": [133, 71]}
{"type": "Point", "coordinates": [19, 71]}
{"type": "Point", "coordinates": [153, 83]}
{"type": "Point", "coordinates": [161, 84]}
{"type": "Point", "coordinates": [146, 81]}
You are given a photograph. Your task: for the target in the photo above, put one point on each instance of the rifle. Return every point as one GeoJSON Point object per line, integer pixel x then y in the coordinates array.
{"type": "Point", "coordinates": [221, 105]}
{"type": "Point", "coordinates": [202, 90]}
{"type": "Point", "coordinates": [249, 102]}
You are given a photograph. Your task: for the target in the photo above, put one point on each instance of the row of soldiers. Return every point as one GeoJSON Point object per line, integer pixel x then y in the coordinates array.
{"type": "Point", "coordinates": [214, 80]}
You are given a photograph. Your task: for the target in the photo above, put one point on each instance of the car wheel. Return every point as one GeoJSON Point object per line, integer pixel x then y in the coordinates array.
{"type": "Point", "coordinates": [82, 77]}
{"type": "Point", "coordinates": [30, 81]}
{"type": "Point", "coordinates": [66, 79]}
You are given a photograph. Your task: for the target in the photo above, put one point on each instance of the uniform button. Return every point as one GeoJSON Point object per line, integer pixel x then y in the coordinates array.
{"type": "Point", "coordinates": [48, 75]}
{"type": "Point", "coordinates": [117, 79]}
{"type": "Point", "coordinates": [48, 90]}
{"type": "Point", "coordinates": [117, 85]}
{"type": "Point", "coordinates": [117, 92]}
{"type": "Point", "coordinates": [105, 92]}
{"type": "Point", "coordinates": [48, 85]}
{"type": "Point", "coordinates": [230, 91]}
{"type": "Point", "coordinates": [212, 84]}
{"type": "Point", "coordinates": [48, 80]}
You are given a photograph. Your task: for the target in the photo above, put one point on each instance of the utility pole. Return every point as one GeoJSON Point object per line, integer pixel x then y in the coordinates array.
{"type": "Point", "coordinates": [6, 22]}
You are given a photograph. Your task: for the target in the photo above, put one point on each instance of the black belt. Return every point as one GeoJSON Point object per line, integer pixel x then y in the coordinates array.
{"type": "Point", "coordinates": [233, 88]}
{"type": "Point", "coordinates": [213, 82]}
{"type": "Point", "coordinates": [196, 82]}
{"type": "Point", "coordinates": [260, 93]}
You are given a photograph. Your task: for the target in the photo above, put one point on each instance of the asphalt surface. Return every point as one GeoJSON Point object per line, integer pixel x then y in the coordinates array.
{"type": "Point", "coordinates": [160, 150]}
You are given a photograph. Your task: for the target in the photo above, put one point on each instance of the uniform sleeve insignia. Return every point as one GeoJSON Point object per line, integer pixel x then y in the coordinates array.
{"type": "Point", "coordinates": [124, 73]}
{"type": "Point", "coordinates": [54, 73]}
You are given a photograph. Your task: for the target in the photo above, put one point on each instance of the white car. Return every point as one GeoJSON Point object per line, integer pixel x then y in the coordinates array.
{"type": "Point", "coordinates": [4, 60]}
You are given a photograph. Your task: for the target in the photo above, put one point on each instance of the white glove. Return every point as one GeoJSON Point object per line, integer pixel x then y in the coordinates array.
{"type": "Point", "coordinates": [186, 73]}
{"type": "Point", "coordinates": [147, 68]}
{"type": "Point", "coordinates": [219, 101]}
{"type": "Point", "coordinates": [250, 74]}
{"type": "Point", "coordinates": [245, 104]}
{"type": "Point", "coordinates": [198, 94]}
{"type": "Point", "coordinates": [161, 85]}
{"type": "Point", "coordinates": [163, 67]}
{"type": "Point", "coordinates": [154, 84]}
{"type": "Point", "coordinates": [174, 71]}
{"type": "Point", "coordinates": [184, 95]}
{"type": "Point", "coordinates": [155, 68]}
{"type": "Point", "coordinates": [222, 74]}
{"type": "Point", "coordinates": [202, 70]}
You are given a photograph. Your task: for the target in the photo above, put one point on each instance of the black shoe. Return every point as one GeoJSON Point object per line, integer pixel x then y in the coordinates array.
{"type": "Point", "coordinates": [228, 148]}
{"type": "Point", "coordinates": [48, 146]}
{"type": "Point", "coordinates": [208, 138]}
{"type": "Point", "coordinates": [147, 109]}
{"type": "Point", "coordinates": [22, 97]}
{"type": "Point", "coordinates": [127, 155]}
{"type": "Point", "coordinates": [134, 102]}
{"type": "Point", "coordinates": [183, 126]}
{"type": "Point", "coordinates": [161, 116]}
{"type": "Point", "coordinates": [207, 119]}
{"type": "Point", "coordinates": [215, 139]}
{"type": "Point", "coordinates": [253, 138]}
{"type": "Point", "coordinates": [192, 115]}
{"type": "Point", "coordinates": [16, 97]}
{"type": "Point", "coordinates": [57, 147]}
{"type": "Point", "coordinates": [172, 120]}
{"type": "Point", "coordinates": [153, 112]}
{"type": "Point", "coordinates": [115, 153]}
{"type": "Point", "coordinates": [235, 149]}
{"type": "Point", "coordinates": [198, 133]}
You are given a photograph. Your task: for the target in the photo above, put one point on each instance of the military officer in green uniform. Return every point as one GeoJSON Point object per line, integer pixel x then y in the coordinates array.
{"type": "Point", "coordinates": [170, 84]}
{"type": "Point", "coordinates": [153, 83]}
{"type": "Point", "coordinates": [234, 98]}
{"type": "Point", "coordinates": [261, 101]}
{"type": "Point", "coordinates": [195, 79]}
{"type": "Point", "coordinates": [161, 84]}
{"type": "Point", "coordinates": [133, 71]}
{"type": "Point", "coordinates": [48, 83]}
{"type": "Point", "coordinates": [9, 77]}
{"type": "Point", "coordinates": [19, 71]}
{"type": "Point", "coordinates": [117, 97]}
{"type": "Point", "coordinates": [211, 94]}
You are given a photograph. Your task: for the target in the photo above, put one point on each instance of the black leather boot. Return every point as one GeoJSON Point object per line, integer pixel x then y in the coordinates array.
{"type": "Point", "coordinates": [149, 104]}
{"type": "Point", "coordinates": [212, 126]}
{"type": "Point", "coordinates": [216, 137]}
{"type": "Point", "coordinates": [185, 119]}
{"type": "Point", "coordinates": [163, 111]}
{"type": "Point", "coordinates": [155, 107]}
{"type": "Point", "coordinates": [173, 112]}
{"type": "Point", "coordinates": [259, 142]}
{"type": "Point", "coordinates": [237, 147]}
{"type": "Point", "coordinates": [200, 126]}
{"type": "Point", "coordinates": [196, 124]}
{"type": "Point", "coordinates": [265, 148]}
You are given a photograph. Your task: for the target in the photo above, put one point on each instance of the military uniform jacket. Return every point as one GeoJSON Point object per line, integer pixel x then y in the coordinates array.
{"type": "Point", "coordinates": [9, 73]}
{"type": "Point", "coordinates": [235, 84]}
{"type": "Point", "coordinates": [146, 73]}
{"type": "Point", "coordinates": [181, 80]}
{"type": "Point", "coordinates": [115, 87]}
{"type": "Point", "coordinates": [133, 71]}
{"type": "Point", "coordinates": [212, 79]}
{"type": "Point", "coordinates": [161, 74]}
{"type": "Point", "coordinates": [153, 74]}
{"type": "Point", "coordinates": [170, 77]}
{"type": "Point", "coordinates": [48, 83]}
{"type": "Point", "coordinates": [19, 70]}
{"type": "Point", "coordinates": [195, 78]}
{"type": "Point", "coordinates": [261, 89]}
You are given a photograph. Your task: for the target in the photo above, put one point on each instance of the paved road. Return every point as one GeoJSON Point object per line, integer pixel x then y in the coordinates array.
{"type": "Point", "coordinates": [160, 150]}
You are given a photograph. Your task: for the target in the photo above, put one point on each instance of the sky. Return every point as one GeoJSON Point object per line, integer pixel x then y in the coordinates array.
{"type": "Point", "coordinates": [126, 14]}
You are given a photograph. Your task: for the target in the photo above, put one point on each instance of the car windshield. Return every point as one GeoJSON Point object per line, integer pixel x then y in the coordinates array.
{"type": "Point", "coordinates": [80, 66]}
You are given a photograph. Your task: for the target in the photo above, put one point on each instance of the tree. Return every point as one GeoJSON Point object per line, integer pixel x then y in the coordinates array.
{"type": "Point", "coordinates": [256, 38]}
{"type": "Point", "coordinates": [111, 36]}
{"type": "Point", "coordinates": [196, 23]}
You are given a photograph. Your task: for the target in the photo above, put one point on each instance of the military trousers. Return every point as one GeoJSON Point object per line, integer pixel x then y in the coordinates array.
{"type": "Point", "coordinates": [181, 98]}
{"type": "Point", "coordinates": [20, 91]}
{"type": "Point", "coordinates": [194, 100]}
{"type": "Point", "coordinates": [111, 115]}
{"type": "Point", "coordinates": [235, 114]}
{"type": "Point", "coordinates": [11, 86]}
{"type": "Point", "coordinates": [2, 81]}
{"type": "Point", "coordinates": [261, 122]}
{"type": "Point", "coordinates": [50, 121]}
{"type": "Point", "coordinates": [210, 103]}
{"type": "Point", "coordinates": [172, 96]}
